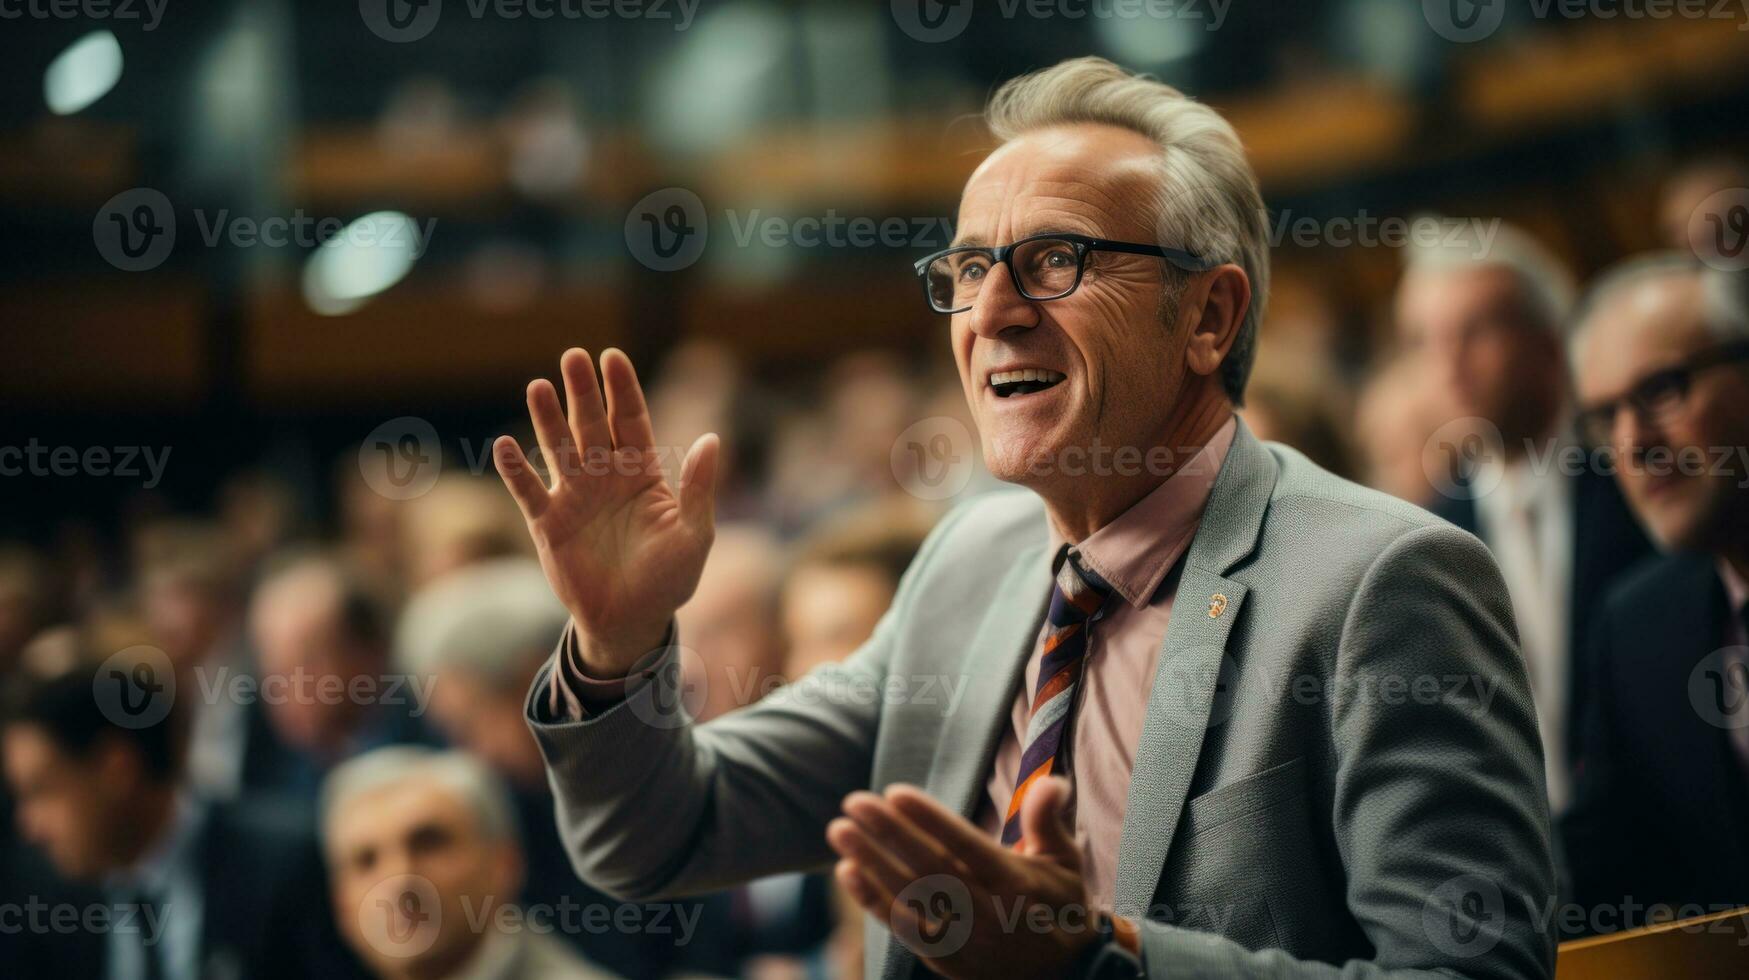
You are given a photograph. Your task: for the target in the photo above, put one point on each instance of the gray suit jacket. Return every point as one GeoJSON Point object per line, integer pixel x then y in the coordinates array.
{"type": "Point", "coordinates": [1339, 773]}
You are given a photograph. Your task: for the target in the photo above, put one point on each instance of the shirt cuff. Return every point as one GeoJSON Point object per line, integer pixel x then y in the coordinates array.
{"type": "Point", "coordinates": [573, 695]}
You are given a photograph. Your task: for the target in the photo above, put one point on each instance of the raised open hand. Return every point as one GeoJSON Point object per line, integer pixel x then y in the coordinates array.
{"type": "Point", "coordinates": [620, 548]}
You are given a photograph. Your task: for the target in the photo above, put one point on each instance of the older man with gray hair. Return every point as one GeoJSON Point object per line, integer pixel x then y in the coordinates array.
{"type": "Point", "coordinates": [424, 864]}
{"type": "Point", "coordinates": [1147, 715]}
{"type": "Point", "coordinates": [1656, 830]}
{"type": "Point", "coordinates": [1486, 321]}
{"type": "Point", "coordinates": [478, 635]}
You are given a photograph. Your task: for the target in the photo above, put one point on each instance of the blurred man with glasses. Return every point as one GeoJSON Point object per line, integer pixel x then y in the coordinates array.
{"type": "Point", "coordinates": [1148, 715]}
{"type": "Point", "coordinates": [1662, 362]}
{"type": "Point", "coordinates": [1485, 322]}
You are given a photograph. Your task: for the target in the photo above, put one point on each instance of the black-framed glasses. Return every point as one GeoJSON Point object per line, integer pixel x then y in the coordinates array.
{"type": "Point", "coordinates": [1657, 397]}
{"type": "Point", "coordinates": [1043, 267]}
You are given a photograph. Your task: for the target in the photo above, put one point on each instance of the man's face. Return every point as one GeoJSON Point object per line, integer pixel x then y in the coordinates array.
{"type": "Point", "coordinates": [424, 841]}
{"type": "Point", "coordinates": [62, 801]}
{"type": "Point", "coordinates": [829, 611]}
{"type": "Point", "coordinates": [305, 655]}
{"type": "Point", "coordinates": [1468, 325]}
{"type": "Point", "coordinates": [1122, 367]}
{"type": "Point", "coordinates": [1683, 473]}
{"type": "Point", "coordinates": [488, 723]}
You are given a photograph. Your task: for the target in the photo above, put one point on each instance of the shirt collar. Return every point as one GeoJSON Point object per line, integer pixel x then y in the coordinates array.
{"type": "Point", "coordinates": [1140, 546]}
{"type": "Point", "coordinates": [1736, 587]}
{"type": "Point", "coordinates": [153, 871]}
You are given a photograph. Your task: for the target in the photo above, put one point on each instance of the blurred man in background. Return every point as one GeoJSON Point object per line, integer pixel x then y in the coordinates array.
{"type": "Point", "coordinates": [193, 889]}
{"type": "Point", "coordinates": [732, 625]}
{"type": "Point", "coordinates": [422, 850]}
{"type": "Point", "coordinates": [191, 596]}
{"type": "Point", "coordinates": [1662, 361]}
{"type": "Point", "coordinates": [842, 579]}
{"type": "Point", "coordinates": [326, 688]}
{"type": "Point", "coordinates": [479, 635]}
{"type": "Point", "coordinates": [1487, 321]}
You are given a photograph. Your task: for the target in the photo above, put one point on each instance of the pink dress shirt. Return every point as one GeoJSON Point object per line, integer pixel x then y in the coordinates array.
{"type": "Point", "coordinates": [1139, 554]}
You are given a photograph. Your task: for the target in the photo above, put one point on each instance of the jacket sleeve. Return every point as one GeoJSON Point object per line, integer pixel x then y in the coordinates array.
{"type": "Point", "coordinates": [650, 805]}
{"type": "Point", "coordinates": [1441, 815]}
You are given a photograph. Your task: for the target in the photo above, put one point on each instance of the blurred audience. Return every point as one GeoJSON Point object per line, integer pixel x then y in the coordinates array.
{"type": "Point", "coordinates": [1394, 422]}
{"type": "Point", "coordinates": [192, 601]}
{"type": "Point", "coordinates": [189, 888]}
{"type": "Point", "coordinates": [327, 692]}
{"type": "Point", "coordinates": [480, 634]}
{"type": "Point", "coordinates": [1662, 363]}
{"type": "Point", "coordinates": [424, 858]}
{"type": "Point", "coordinates": [1486, 319]}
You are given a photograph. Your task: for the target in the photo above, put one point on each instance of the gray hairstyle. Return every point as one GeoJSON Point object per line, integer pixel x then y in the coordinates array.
{"type": "Point", "coordinates": [392, 765]}
{"type": "Point", "coordinates": [1544, 282]}
{"type": "Point", "coordinates": [1724, 295]}
{"type": "Point", "coordinates": [1208, 201]}
{"type": "Point", "coordinates": [496, 620]}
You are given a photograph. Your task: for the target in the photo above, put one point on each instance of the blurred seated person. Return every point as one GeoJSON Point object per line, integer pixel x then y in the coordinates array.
{"type": "Point", "coordinates": [192, 601]}
{"type": "Point", "coordinates": [1689, 196]}
{"type": "Point", "coordinates": [189, 888]}
{"type": "Point", "coordinates": [1487, 321]}
{"type": "Point", "coordinates": [1662, 362]}
{"type": "Point", "coordinates": [327, 693]}
{"type": "Point", "coordinates": [736, 652]}
{"type": "Point", "coordinates": [423, 855]}
{"type": "Point", "coordinates": [478, 636]}
{"type": "Point", "coordinates": [1296, 399]}
{"type": "Point", "coordinates": [1395, 419]}
{"type": "Point", "coordinates": [840, 581]}
{"type": "Point", "coordinates": [842, 577]}
{"type": "Point", "coordinates": [461, 520]}
{"type": "Point", "coordinates": [22, 601]}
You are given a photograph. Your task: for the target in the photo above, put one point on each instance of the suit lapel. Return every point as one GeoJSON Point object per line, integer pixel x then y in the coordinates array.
{"type": "Point", "coordinates": [1193, 684]}
{"type": "Point", "coordinates": [994, 665]}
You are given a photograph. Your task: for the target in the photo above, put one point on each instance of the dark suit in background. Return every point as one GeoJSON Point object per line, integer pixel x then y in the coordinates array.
{"type": "Point", "coordinates": [1607, 540]}
{"type": "Point", "coordinates": [1661, 812]}
{"type": "Point", "coordinates": [265, 910]}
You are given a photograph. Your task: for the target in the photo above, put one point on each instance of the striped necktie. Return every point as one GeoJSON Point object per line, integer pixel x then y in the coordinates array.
{"type": "Point", "coordinates": [1075, 603]}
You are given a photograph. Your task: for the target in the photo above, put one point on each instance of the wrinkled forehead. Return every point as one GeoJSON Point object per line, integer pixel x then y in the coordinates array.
{"type": "Point", "coordinates": [1092, 179]}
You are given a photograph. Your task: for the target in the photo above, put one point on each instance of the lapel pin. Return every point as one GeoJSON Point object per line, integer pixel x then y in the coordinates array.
{"type": "Point", "coordinates": [1217, 605]}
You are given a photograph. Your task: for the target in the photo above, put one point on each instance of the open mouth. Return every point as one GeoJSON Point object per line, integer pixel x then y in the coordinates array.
{"type": "Point", "coordinates": [1026, 381]}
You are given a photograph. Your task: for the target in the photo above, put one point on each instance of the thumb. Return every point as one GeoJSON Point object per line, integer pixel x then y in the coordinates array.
{"type": "Point", "coordinates": [698, 483]}
{"type": "Point", "coordinates": [1044, 822]}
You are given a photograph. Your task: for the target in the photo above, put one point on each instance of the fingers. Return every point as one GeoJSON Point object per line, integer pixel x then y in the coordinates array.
{"type": "Point", "coordinates": [698, 483]}
{"type": "Point", "coordinates": [1042, 825]}
{"type": "Point", "coordinates": [519, 477]}
{"type": "Point", "coordinates": [550, 429]}
{"type": "Point", "coordinates": [885, 875]}
{"type": "Point", "coordinates": [883, 823]}
{"type": "Point", "coordinates": [627, 415]}
{"type": "Point", "coordinates": [984, 857]}
{"type": "Point", "coordinates": [583, 402]}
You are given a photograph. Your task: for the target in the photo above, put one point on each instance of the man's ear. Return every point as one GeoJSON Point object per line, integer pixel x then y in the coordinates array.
{"type": "Point", "coordinates": [1215, 303]}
